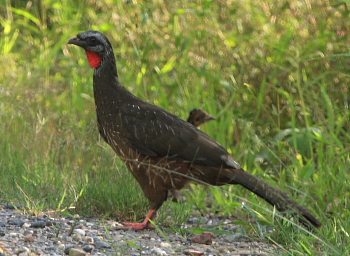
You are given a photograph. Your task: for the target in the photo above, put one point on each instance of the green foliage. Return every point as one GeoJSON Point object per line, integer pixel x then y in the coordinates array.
{"type": "Point", "coordinates": [274, 73]}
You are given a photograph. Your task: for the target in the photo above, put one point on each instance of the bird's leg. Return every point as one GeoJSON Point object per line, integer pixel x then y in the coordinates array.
{"type": "Point", "coordinates": [156, 197]}
{"type": "Point", "coordinates": [145, 224]}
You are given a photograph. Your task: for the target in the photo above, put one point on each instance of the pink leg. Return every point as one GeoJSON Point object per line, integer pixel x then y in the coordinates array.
{"type": "Point", "coordinates": [144, 225]}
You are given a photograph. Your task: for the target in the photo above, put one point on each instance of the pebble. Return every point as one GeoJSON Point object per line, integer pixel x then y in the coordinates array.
{"type": "Point", "coordinates": [158, 251]}
{"type": "Point", "coordinates": [61, 247]}
{"type": "Point", "coordinates": [193, 252]}
{"type": "Point", "coordinates": [77, 237]}
{"type": "Point", "coordinates": [68, 239]}
{"type": "Point", "coordinates": [165, 245]}
{"type": "Point", "coordinates": [234, 238]}
{"type": "Point", "coordinates": [100, 244]}
{"type": "Point", "coordinates": [17, 222]}
{"type": "Point", "coordinates": [68, 247]}
{"type": "Point", "coordinates": [76, 252]}
{"type": "Point", "coordinates": [38, 224]}
{"type": "Point", "coordinates": [49, 234]}
{"type": "Point", "coordinates": [204, 238]}
{"type": "Point", "coordinates": [88, 248]}
{"type": "Point", "coordinates": [29, 238]}
{"type": "Point", "coordinates": [13, 206]}
{"type": "Point", "coordinates": [89, 239]}
{"type": "Point", "coordinates": [22, 249]}
{"type": "Point", "coordinates": [79, 231]}
{"type": "Point", "coordinates": [50, 248]}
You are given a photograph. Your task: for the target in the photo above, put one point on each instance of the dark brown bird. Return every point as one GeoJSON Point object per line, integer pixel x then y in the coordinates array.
{"type": "Point", "coordinates": [198, 117]}
{"type": "Point", "coordinates": [162, 151]}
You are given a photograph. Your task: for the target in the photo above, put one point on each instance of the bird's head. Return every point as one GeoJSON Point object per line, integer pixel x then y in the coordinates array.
{"type": "Point", "coordinates": [96, 45]}
{"type": "Point", "coordinates": [198, 117]}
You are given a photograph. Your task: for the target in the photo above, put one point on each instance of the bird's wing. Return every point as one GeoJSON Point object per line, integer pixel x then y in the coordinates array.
{"type": "Point", "coordinates": [156, 132]}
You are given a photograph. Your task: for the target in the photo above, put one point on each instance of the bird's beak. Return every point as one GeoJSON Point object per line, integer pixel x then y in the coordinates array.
{"type": "Point", "coordinates": [209, 117]}
{"type": "Point", "coordinates": [76, 41]}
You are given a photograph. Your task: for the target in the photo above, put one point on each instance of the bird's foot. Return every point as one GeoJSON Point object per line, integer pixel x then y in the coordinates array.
{"type": "Point", "coordinates": [146, 224]}
{"type": "Point", "coordinates": [136, 226]}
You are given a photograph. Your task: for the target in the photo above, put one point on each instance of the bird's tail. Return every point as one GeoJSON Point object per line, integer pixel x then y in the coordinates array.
{"type": "Point", "coordinates": [273, 196]}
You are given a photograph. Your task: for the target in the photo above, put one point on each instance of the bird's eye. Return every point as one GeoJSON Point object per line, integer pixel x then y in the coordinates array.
{"type": "Point", "coordinates": [93, 40]}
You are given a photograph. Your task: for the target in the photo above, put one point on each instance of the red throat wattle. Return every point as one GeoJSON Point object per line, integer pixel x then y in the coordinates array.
{"type": "Point", "coordinates": [94, 58]}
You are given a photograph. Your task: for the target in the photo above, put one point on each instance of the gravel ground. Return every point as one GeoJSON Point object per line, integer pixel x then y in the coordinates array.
{"type": "Point", "coordinates": [53, 234]}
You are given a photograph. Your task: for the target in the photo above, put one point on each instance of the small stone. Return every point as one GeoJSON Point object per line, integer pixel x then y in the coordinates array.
{"type": "Point", "coordinates": [158, 251]}
{"type": "Point", "coordinates": [2, 224]}
{"type": "Point", "coordinates": [13, 206]}
{"type": "Point", "coordinates": [193, 252]}
{"type": "Point", "coordinates": [88, 239]}
{"type": "Point", "coordinates": [38, 224]}
{"type": "Point", "coordinates": [29, 238]}
{"type": "Point", "coordinates": [165, 245]}
{"type": "Point", "coordinates": [76, 237]}
{"type": "Point", "coordinates": [216, 252]}
{"type": "Point", "coordinates": [50, 235]}
{"type": "Point", "coordinates": [204, 238]}
{"type": "Point", "coordinates": [100, 245]}
{"type": "Point", "coordinates": [68, 238]}
{"type": "Point", "coordinates": [76, 252]}
{"type": "Point", "coordinates": [89, 224]}
{"type": "Point", "coordinates": [234, 238]}
{"type": "Point", "coordinates": [26, 232]}
{"type": "Point", "coordinates": [26, 225]}
{"type": "Point", "coordinates": [2, 233]}
{"type": "Point", "coordinates": [94, 236]}
{"type": "Point", "coordinates": [50, 223]}
{"type": "Point", "coordinates": [193, 220]}
{"type": "Point", "coordinates": [210, 223]}
{"type": "Point", "coordinates": [68, 247]}
{"type": "Point", "coordinates": [14, 221]}
{"type": "Point", "coordinates": [88, 248]}
{"type": "Point", "coordinates": [223, 250]}
{"type": "Point", "coordinates": [209, 251]}
{"type": "Point", "coordinates": [79, 231]}
{"type": "Point", "coordinates": [23, 249]}
{"type": "Point", "coordinates": [145, 247]}
{"type": "Point", "coordinates": [61, 247]}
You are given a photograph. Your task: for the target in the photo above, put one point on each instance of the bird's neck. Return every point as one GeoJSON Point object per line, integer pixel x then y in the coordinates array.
{"type": "Point", "coordinates": [108, 90]}
{"type": "Point", "coordinates": [106, 81]}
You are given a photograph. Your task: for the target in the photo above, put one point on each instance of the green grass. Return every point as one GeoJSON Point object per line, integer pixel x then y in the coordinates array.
{"type": "Point", "coordinates": [275, 74]}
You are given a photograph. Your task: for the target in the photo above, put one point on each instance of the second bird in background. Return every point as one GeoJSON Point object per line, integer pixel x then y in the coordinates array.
{"type": "Point", "coordinates": [198, 117]}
